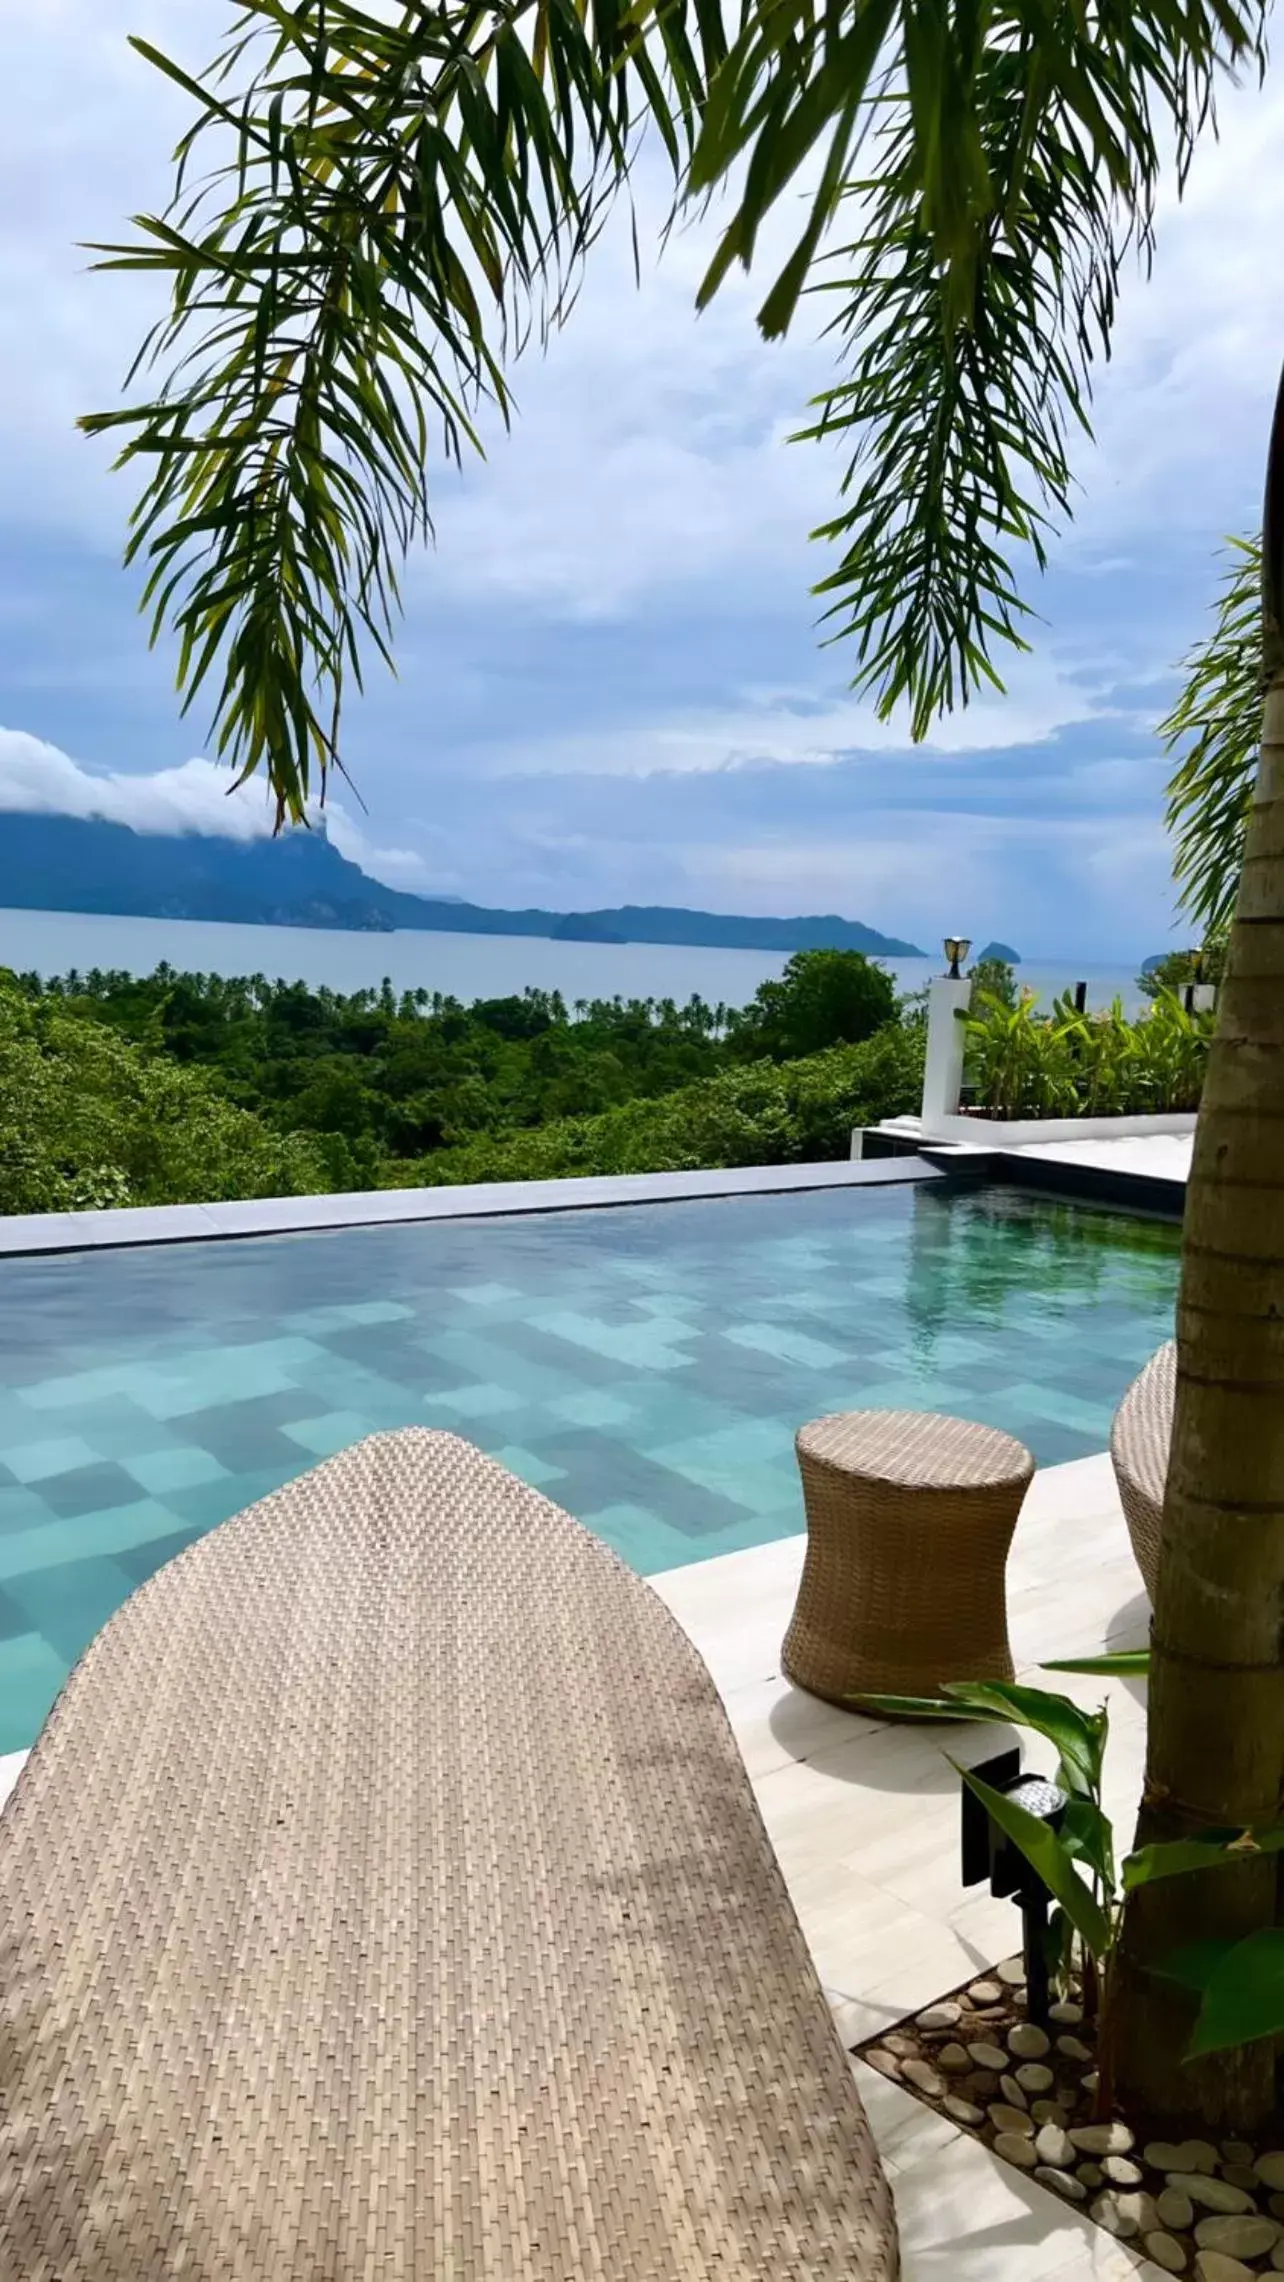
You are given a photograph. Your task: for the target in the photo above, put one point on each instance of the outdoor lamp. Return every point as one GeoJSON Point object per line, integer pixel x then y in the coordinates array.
{"type": "Point", "coordinates": [988, 1853]}
{"type": "Point", "coordinates": [956, 948]}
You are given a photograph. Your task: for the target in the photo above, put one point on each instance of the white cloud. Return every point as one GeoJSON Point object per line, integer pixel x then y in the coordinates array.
{"type": "Point", "coordinates": [195, 797]}
{"type": "Point", "coordinates": [797, 727]}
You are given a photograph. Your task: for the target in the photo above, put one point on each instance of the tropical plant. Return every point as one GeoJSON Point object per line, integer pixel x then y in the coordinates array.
{"type": "Point", "coordinates": [992, 978]}
{"type": "Point", "coordinates": [1216, 727]}
{"type": "Point", "coordinates": [400, 192]}
{"type": "Point", "coordinates": [1240, 1984]}
{"type": "Point", "coordinates": [1071, 1063]}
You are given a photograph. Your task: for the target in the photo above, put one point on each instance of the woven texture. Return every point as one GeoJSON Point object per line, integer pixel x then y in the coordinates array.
{"type": "Point", "coordinates": [909, 1520]}
{"type": "Point", "coordinates": [385, 1899]}
{"type": "Point", "coordinates": [1140, 1439]}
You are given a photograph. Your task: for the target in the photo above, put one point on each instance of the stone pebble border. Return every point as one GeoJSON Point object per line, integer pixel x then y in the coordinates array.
{"type": "Point", "coordinates": [1211, 2212]}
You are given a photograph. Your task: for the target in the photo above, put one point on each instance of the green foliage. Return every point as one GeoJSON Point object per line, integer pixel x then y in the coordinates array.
{"type": "Point", "coordinates": [762, 1114]}
{"type": "Point", "coordinates": [285, 1089]}
{"type": "Point", "coordinates": [1203, 963]}
{"type": "Point", "coordinates": [400, 193]}
{"type": "Point", "coordinates": [823, 998]}
{"type": "Point", "coordinates": [1242, 1983]}
{"type": "Point", "coordinates": [88, 1120]}
{"type": "Point", "coordinates": [992, 980]}
{"type": "Point", "coordinates": [1216, 727]}
{"type": "Point", "coordinates": [1020, 1063]}
{"type": "Point", "coordinates": [394, 192]}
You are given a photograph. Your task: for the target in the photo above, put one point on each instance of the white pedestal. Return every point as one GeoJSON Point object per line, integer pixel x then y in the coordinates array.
{"type": "Point", "coordinates": [1204, 997]}
{"type": "Point", "coordinates": [943, 1069]}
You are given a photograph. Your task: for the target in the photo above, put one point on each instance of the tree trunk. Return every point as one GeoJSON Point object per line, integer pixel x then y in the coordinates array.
{"type": "Point", "coordinates": [1216, 1728]}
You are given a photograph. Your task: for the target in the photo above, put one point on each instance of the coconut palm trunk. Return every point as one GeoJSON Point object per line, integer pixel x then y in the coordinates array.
{"type": "Point", "coordinates": [1216, 1740]}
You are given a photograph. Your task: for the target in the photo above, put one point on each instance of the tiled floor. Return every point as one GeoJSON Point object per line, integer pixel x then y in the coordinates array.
{"type": "Point", "coordinates": [648, 1366]}
{"type": "Point", "coordinates": [865, 1819]}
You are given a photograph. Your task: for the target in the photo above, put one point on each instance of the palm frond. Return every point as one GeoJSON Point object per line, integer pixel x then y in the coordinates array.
{"type": "Point", "coordinates": [1011, 157]}
{"type": "Point", "coordinates": [1217, 723]}
{"type": "Point", "coordinates": [397, 195]}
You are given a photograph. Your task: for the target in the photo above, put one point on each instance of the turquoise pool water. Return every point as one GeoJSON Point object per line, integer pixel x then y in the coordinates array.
{"type": "Point", "coordinates": [647, 1366]}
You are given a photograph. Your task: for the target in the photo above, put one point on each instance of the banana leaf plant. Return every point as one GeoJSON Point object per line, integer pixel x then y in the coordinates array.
{"type": "Point", "coordinates": [1240, 1984]}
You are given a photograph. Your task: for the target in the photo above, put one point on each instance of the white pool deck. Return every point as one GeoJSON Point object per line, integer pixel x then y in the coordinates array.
{"type": "Point", "coordinates": [865, 1819]}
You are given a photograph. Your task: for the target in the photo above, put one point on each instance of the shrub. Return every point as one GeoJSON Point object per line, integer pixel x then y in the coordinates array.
{"type": "Point", "coordinates": [761, 1114]}
{"type": "Point", "coordinates": [1020, 1063]}
{"type": "Point", "coordinates": [89, 1120]}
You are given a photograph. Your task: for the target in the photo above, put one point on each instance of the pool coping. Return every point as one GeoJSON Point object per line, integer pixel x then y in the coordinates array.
{"type": "Point", "coordinates": [127, 1226]}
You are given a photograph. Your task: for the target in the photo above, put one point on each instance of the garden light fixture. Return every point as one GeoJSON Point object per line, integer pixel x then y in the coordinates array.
{"type": "Point", "coordinates": [956, 948]}
{"type": "Point", "coordinates": [988, 1853]}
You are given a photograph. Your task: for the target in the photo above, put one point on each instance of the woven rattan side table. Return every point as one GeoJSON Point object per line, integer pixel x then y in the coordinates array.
{"type": "Point", "coordinates": [909, 1520]}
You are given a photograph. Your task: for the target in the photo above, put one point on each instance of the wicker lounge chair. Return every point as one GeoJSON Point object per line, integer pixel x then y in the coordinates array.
{"type": "Point", "coordinates": [386, 1896]}
{"type": "Point", "coordinates": [1139, 1445]}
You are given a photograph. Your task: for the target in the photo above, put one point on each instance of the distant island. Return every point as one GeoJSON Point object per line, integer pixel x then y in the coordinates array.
{"type": "Point", "coordinates": [75, 863]}
{"type": "Point", "coordinates": [1002, 951]}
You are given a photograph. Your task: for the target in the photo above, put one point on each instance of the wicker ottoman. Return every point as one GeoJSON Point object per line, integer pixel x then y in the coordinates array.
{"type": "Point", "coordinates": [909, 1520]}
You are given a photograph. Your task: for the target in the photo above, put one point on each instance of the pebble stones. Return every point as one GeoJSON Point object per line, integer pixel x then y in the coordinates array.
{"type": "Point", "coordinates": [1211, 2194]}
{"type": "Point", "coordinates": [1181, 2155]}
{"type": "Point", "coordinates": [1165, 2250]}
{"type": "Point", "coordinates": [1270, 2168]}
{"type": "Point", "coordinates": [1012, 2148]}
{"type": "Point", "coordinates": [1054, 2146]}
{"type": "Point", "coordinates": [923, 2077]}
{"type": "Point", "coordinates": [886, 2063]}
{"type": "Point", "coordinates": [1061, 2182]}
{"type": "Point", "coordinates": [1176, 2209]}
{"type": "Point", "coordinates": [988, 2056]}
{"type": "Point", "coordinates": [1033, 2077]}
{"type": "Point", "coordinates": [1028, 2041]}
{"type": "Point", "coordinates": [1214, 2266]}
{"type": "Point", "coordinates": [941, 2016]}
{"type": "Point", "coordinates": [953, 2059]}
{"type": "Point", "coordinates": [1073, 2047]}
{"type": "Point", "coordinates": [1012, 2121]}
{"type": "Point", "coordinates": [1238, 2238]}
{"type": "Point", "coordinates": [1105, 2139]}
{"type": "Point", "coordinates": [1066, 2013]}
{"type": "Point", "coordinates": [986, 1993]}
{"type": "Point", "coordinates": [1012, 1972]}
{"type": "Point", "coordinates": [962, 2111]}
{"type": "Point", "coordinates": [1123, 2214]}
{"type": "Point", "coordinates": [1121, 2171]}
{"type": "Point", "coordinates": [1012, 2092]}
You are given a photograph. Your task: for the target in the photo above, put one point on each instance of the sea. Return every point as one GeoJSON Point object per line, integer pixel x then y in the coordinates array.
{"type": "Point", "coordinates": [463, 966]}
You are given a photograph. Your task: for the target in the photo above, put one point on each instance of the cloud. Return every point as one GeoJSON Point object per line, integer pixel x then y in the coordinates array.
{"type": "Point", "coordinates": [800, 727]}
{"type": "Point", "coordinates": [610, 685]}
{"type": "Point", "coordinates": [195, 797]}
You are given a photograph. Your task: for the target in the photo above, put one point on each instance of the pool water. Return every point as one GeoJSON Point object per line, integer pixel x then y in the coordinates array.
{"type": "Point", "coordinates": [647, 1366]}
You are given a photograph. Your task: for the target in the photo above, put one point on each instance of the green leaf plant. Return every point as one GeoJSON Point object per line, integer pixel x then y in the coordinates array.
{"type": "Point", "coordinates": [1240, 1984]}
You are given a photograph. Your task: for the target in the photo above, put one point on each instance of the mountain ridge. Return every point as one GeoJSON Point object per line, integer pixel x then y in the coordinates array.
{"type": "Point", "coordinates": [50, 862]}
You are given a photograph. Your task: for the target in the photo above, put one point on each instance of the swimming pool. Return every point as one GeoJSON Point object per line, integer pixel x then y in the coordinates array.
{"type": "Point", "coordinates": [645, 1365]}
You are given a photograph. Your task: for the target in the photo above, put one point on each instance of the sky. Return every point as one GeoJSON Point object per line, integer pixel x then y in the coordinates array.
{"type": "Point", "coordinates": [611, 685]}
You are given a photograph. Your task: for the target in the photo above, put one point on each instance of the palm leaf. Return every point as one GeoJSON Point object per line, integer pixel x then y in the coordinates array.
{"type": "Point", "coordinates": [1216, 725]}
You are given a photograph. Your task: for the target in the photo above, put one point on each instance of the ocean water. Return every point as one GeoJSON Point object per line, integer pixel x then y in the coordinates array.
{"type": "Point", "coordinates": [466, 966]}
